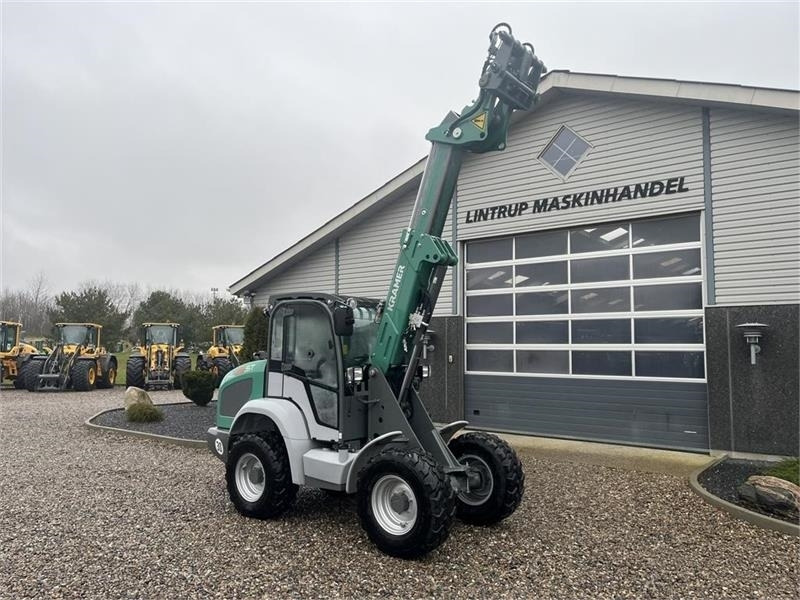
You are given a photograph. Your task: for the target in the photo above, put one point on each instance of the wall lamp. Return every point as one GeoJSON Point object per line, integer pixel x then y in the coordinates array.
{"type": "Point", "coordinates": [753, 332]}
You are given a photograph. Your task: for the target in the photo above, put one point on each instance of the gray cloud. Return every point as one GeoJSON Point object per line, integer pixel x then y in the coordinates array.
{"type": "Point", "coordinates": [185, 144]}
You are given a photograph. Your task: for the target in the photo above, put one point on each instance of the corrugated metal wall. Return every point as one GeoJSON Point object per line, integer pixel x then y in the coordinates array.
{"type": "Point", "coordinates": [755, 177]}
{"type": "Point", "coordinates": [633, 142]}
{"type": "Point", "coordinates": [368, 252]}
{"type": "Point", "coordinates": [315, 273]}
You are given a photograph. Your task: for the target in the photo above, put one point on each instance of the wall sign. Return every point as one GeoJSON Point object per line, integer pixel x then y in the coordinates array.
{"type": "Point", "coordinates": [650, 189]}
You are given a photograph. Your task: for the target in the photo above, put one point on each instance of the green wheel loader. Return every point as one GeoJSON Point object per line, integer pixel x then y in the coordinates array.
{"type": "Point", "coordinates": [335, 403]}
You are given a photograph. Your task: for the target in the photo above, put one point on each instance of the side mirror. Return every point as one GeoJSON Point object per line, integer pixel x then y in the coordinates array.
{"type": "Point", "coordinates": [343, 321]}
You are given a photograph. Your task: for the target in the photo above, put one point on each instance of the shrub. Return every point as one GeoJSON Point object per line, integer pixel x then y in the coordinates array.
{"type": "Point", "coordinates": [198, 386]}
{"type": "Point", "coordinates": [140, 412]}
{"type": "Point", "coordinates": [255, 333]}
{"type": "Point", "coordinates": [787, 469]}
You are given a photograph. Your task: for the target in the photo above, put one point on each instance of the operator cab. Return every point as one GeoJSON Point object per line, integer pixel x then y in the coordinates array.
{"type": "Point", "coordinates": [314, 341]}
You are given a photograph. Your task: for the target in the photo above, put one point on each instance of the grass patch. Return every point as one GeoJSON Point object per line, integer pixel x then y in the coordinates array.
{"type": "Point", "coordinates": [787, 469]}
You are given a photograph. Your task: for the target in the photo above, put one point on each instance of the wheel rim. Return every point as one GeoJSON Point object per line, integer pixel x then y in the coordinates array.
{"type": "Point", "coordinates": [250, 477]}
{"type": "Point", "coordinates": [394, 505]}
{"type": "Point", "coordinates": [112, 375]}
{"type": "Point", "coordinates": [91, 376]}
{"type": "Point", "coordinates": [481, 480]}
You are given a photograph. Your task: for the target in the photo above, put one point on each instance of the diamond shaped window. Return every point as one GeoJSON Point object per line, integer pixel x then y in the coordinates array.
{"type": "Point", "coordinates": [564, 152]}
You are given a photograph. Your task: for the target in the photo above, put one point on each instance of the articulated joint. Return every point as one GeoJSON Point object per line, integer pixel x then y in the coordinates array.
{"type": "Point", "coordinates": [421, 248]}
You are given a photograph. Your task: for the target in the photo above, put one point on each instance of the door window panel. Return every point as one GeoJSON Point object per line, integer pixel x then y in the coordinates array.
{"type": "Point", "coordinates": [491, 278]}
{"type": "Point", "coordinates": [672, 230]}
{"type": "Point", "coordinates": [536, 245]}
{"type": "Point", "coordinates": [549, 273]}
{"type": "Point", "coordinates": [599, 237]}
{"type": "Point", "coordinates": [669, 330]}
{"type": "Point", "coordinates": [674, 263]}
{"type": "Point", "coordinates": [682, 296]}
{"type": "Point", "coordinates": [601, 331]}
{"type": "Point", "coordinates": [490, 250]}
{"type": "Point", "coordinates": [542, 303]}
{"type": "Point", "coordinates": [490, 333]}
{"type": "Point", "coordinates": [542, 361]}
{"type": "Point", "coordinates": [616, 299]}
{"type": "Point", "coordinates": [490, 306]}
{"type": "Point", "coordinates": [601, 363]}
{"type": "Point", "coordinates": [670, 364]}
{"type": "Point", "coordinates": [490, 360]}
{"type": "Point", "coordinates": [542, 332]}
{"type": "Point", "coordinates": [609, 268]}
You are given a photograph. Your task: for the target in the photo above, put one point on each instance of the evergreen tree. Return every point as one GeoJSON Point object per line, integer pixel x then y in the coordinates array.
{"type": "Point", "coordinates": [255, 333]}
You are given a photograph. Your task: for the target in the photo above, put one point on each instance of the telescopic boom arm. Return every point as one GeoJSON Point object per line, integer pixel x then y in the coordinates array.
{"type": "Point", "coordinates": [508, 82]}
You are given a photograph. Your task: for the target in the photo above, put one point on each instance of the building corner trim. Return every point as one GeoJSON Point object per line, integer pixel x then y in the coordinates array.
{"type": "Point", "coordinates": [711, 295]}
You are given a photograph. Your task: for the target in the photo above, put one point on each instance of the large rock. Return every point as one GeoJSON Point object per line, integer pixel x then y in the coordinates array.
{"type": "Point", "coordinates": [134, 395]}
{"type": "Point", "coordinates": [772, 494]}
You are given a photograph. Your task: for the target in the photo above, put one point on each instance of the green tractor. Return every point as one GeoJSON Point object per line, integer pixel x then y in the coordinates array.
{"type": "Point", "coordinates": [336, 404]}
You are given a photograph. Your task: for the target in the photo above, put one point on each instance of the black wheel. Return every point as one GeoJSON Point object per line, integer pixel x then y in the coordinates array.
{"type": "Point", "coordinates": [496, 480]}
{"type": "Point", "coordinates": [258, 476]}
{"type": "Point", "coordinates": [222, 366]}
{"type": "Point", "coordinates": [19, 382]}
{"type": "Point", "coordinates": [134, 372]}
{"type": "Point", "coordinates": [107, 379]}
{"type": "Point", "coordinates": [405, 502]}
{"type": "Point", "coordinates": [30, 374]}
{"type": "Point", "coordinates": [183, 364]}
{"type": "Point", "coordinates": [84, 375]}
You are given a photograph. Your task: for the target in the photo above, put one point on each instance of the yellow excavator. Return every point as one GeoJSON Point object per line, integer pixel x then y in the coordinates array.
{"type": "Point", "coordinates": [161, 362]}
{"type": "Point", "coordinates": [14, 353]}
{"type": "Point", "coordinates": [78, 361]}
{"type": "Point", "coordinates": [223, 355]}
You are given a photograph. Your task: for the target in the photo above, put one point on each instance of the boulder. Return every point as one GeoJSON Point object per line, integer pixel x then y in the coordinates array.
{"type": "Point", "coordinates": [772, 494]}
{"type": "Point", "coordinates": [135, 395]}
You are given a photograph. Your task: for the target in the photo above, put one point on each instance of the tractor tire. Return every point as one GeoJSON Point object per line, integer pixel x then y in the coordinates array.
{"type": "Point", "coordinates": [108, 378]}
{"type": "Point", "coordinates": [84, 375]}
{"type": "Point", "coordinates": [30, 374]}
{"type": "Point", "coordinates": [405, 502]}
{"type": "Point", "coordinates": [134, 372]}
{"type": "Point", "coordinates": [501, 478]}
{"type": "Point", "coordinates": [183, 364]}
{"type": "Point", "coordinates": [222, 366]}
{"type": "Point", "coordinates": [258, 476]}
{"type": "Point", "coordinates": [19, 382]}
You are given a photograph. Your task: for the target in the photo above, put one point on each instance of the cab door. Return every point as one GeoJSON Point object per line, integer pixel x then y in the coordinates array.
{"type": "Point", "coordinates": [305, 363]}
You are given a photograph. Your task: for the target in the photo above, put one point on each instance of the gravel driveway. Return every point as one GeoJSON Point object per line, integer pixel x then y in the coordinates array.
{"type": "Point", "coordinates": [97, 515]}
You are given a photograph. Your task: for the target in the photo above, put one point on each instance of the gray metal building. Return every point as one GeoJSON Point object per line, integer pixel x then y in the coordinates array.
{"type": "Point", "coordinates": [607, 257]}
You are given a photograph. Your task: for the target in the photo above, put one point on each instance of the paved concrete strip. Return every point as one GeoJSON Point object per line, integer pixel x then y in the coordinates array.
{"type": "Point", "coordinates": [738, 511]}
{"type": "Point", "coordinates": [634, 458]}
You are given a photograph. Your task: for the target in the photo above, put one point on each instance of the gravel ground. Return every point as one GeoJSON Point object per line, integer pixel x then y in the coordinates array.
{"type": "Point", "coordinates": [724, 478]}
{"type": "Point", "coordinates": [185, 420]}
{"type": "Point", "coordinates": [98, 515]}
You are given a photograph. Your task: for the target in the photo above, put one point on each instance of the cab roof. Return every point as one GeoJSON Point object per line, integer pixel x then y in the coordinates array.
{"type": "Point", "coordinates": [95, 325]}
{"type": "Point", "coordinates": [170, 324]}
{"type": "Point", "coordinates": [10, 323]}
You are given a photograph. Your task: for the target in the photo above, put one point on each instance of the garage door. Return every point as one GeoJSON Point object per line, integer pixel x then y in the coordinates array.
{"type": "Point", "coordinates": [591, 332]}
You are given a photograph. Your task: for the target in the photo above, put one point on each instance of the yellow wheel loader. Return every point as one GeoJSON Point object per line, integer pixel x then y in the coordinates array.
{"type": "Point", "coordinates": [223, 355]}
{"type": "Point", "coordinates": [14, 353]}
{"type": "Point", "coordinates": [79, 361]}
{"type": "Point", "coordinates": [161, 361]}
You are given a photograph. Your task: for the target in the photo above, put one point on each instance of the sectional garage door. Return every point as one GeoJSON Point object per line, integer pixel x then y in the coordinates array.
{"type": "Point", "coordinates": [591, 332]}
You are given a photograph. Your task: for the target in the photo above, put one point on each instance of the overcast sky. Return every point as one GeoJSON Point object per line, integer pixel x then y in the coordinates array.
{"type": "Point", "coordinates": [184, 144]}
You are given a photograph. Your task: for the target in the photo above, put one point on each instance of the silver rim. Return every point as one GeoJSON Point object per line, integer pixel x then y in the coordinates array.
{"type": "Point", "coordinates": [249, 477]}
{"type": "Point", "coordinates": [481, 482]}
{"type": "Point", "coordinates": [394, 505]}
